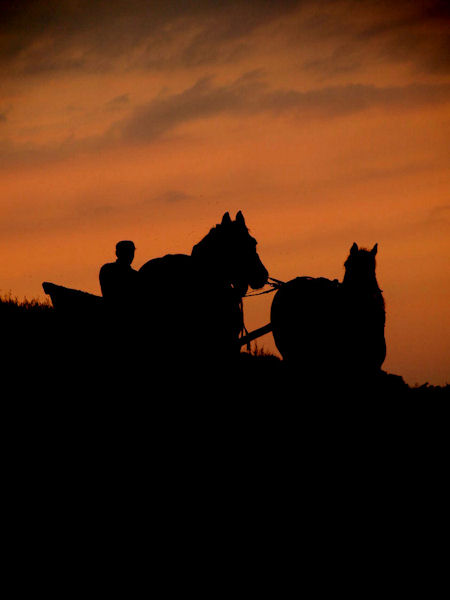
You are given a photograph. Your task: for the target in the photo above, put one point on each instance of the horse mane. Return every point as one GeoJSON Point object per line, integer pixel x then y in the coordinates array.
{"type": "Point", "coordinates": [205, 244]}
{"type": "Point", "coordinates": [227, 256]}
{"type": "Point", "coordinates": [211, 243]}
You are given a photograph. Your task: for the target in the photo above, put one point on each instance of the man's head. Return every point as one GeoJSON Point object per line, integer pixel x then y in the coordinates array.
{"type": "Point", "coordinates": [125, 251]}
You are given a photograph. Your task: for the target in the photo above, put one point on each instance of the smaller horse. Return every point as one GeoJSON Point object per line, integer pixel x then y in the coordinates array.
{"type": "Point", "coordinates": [332, 329]}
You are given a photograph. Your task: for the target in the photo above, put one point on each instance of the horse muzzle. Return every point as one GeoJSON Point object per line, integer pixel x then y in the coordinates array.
{"type": "Point", "coordinates": [259, 280]}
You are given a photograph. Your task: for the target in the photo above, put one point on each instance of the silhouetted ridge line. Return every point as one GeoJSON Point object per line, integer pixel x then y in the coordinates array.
{"type": "Point", "coordinates": [45, 349]}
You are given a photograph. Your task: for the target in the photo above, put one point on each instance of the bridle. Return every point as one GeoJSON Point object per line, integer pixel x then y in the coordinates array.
{"type": "Point", "coordinates": [244, 337]}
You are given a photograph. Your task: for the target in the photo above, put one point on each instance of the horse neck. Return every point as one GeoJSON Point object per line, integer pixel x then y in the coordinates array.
{"type": "Point", "coordinates": [208, 259]}
{"type": "Point", "coordinates": [366, 284]}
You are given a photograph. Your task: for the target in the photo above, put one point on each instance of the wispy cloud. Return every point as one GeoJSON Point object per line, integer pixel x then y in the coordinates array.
{"type": "Point", "coordinates": [83, 213]}
{"type": "Point", "coordinates": [250, 95]}
{"type": "Point", "coordinates": [356, 35]}
{"type": "Point", "coordinates": [38, 36]}
{"type": "Point", "coordinates": [245, 97]}
{"type": "Point", "coordinates": [118, 103]}
{"type": "Point", "coordinates": [172, 196]}
{"type": "Point", "coordinates": [440, 213]}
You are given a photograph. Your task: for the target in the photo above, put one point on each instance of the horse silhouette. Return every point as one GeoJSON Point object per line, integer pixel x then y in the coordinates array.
{"type": "Point", "coordinates": [330, 329]}
{"type": "Point", "coordinates": [192, 304]}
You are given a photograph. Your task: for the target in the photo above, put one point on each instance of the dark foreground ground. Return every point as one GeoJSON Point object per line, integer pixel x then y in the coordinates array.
{"type": "Point", "coordinates": [124, 467]}
{"type": "Point", "coordinates": [54, 355]}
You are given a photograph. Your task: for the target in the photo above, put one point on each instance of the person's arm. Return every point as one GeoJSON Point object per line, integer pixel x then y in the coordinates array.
{"type": "Point", "coordinates": [104, 281]}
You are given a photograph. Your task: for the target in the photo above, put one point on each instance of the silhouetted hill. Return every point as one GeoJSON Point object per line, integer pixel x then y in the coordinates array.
{"type": "Point", "coordinates": [96, 442]}
{"type": "Point", "coordinates": [64, 354]}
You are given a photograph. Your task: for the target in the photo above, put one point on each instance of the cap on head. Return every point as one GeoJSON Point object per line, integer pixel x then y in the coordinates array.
{"type": "Point", "coordinates": [125, 245]}
{"type": "Point", "coordinates": [125, 251]}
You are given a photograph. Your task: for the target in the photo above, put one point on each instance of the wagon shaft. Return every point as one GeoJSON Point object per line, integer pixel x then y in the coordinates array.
{"type": "Point", "coordinates": [253, 335]}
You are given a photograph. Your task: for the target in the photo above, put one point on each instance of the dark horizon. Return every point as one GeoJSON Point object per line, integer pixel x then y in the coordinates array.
{"type": "Point", "coordinates": [326, 123]}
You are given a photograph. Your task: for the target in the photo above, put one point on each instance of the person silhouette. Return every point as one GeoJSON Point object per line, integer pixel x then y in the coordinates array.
{"type": "Point", "coordinates": [118, 280]}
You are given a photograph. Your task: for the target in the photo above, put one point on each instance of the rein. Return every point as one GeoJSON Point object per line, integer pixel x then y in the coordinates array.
{"type": "Point", "coordinates": [243, 333]}
{"type": "Point", "coordinates": [275, 283]}
{"type": "Point", "coordinates": [244, 336]}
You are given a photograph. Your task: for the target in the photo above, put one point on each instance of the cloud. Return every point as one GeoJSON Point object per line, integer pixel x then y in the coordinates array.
{"type": "Point", "coordinates": [436, 219]}
{"type": "Point", "coordinates": [358, 34]}
{"type": "Point", "coordinates": [4, 112]}
{"type": "Point", "coordinates": [172, 196]}
{"type": "Point", "coordinates": [201, 100]}
{"type": "Point", "coordinates": [250, 95]}
{"type": "Point", "coordinates": [26, 221]}
{"type": "Point", "coordinates": [441, 212]}
{"type": "Point", "coordinates": [247, 96]}
{"type": "Point", "coordinates": [38, 36]}
{"type": "Point", "coordinates": [118, 102]}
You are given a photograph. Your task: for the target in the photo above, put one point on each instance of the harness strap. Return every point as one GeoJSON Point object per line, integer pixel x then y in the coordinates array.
{"type": "Point", "coordinates": [244, 336]}
{"type": "Point", "coordinates": [274, 283]}
{"type": "Point", "coordinates": [243, 333]}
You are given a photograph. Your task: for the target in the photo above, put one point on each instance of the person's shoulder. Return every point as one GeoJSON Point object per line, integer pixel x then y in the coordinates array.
{"type": "Point", "coordinates": [108, 267]}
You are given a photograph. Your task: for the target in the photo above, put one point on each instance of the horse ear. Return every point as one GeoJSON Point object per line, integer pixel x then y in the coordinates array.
{"type": "Point", "coordinates": [240, 218]}
{"type": "Point", "coordinates": [354, 248]}
{"type": "Point", "coordinates": [226, 219]}
{"type": "Point", "coordinates": [374, 250]}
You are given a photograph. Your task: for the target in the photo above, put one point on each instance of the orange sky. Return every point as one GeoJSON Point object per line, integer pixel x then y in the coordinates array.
{"type": "Point", "coordinates": [324, 122]}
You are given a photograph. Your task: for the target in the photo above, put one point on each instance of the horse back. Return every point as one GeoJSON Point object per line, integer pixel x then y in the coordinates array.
{"type": "Point", "coordinates": [166, 271]}
{"type": "Point", "coordinates": [305, 317]}
{"type": "Point", "coordinates": [323, 327]}
{"type": "Point", "coordinates": [181, 305]}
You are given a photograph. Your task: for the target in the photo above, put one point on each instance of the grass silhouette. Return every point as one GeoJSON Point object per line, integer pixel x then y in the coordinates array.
{"type": "Point", "coordinates": [38, 341]}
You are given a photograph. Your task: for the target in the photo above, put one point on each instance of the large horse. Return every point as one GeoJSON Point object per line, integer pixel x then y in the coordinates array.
{"type": "Point", "coordinates": [331, 329]}
{"type": "Point", "coordinates": [193, 303]}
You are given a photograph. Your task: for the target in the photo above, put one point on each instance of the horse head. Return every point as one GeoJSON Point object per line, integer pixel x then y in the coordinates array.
{"type": "Point", "coordinates": [230, 251]}
{"type": "Point", "coordinates": [360, 266]}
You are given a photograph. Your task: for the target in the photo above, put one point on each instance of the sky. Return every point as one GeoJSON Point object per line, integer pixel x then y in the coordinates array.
{"type": "Point", "coordinates": [325, 122]}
